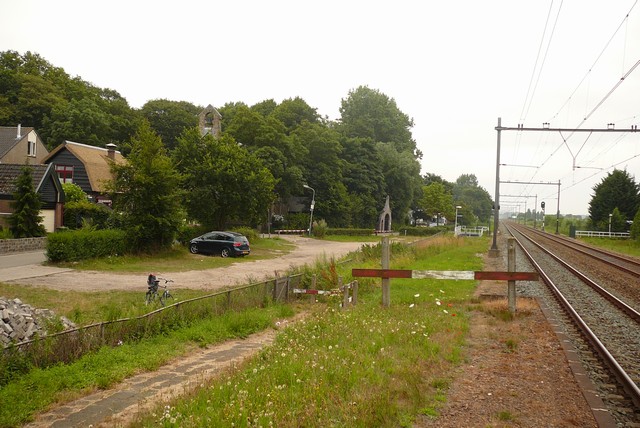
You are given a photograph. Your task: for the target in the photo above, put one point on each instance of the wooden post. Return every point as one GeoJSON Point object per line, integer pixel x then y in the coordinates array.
{"type": "Point", "coordinates": [511, 267]}
{"type": "Point", "coordinates": [386, 292]}
{"type": "Point", "coordinates": [354, 292]}
{"type": "Point", "coordinates": [345, 293]}
{"type": "Point", "coordinates": [314, 280]}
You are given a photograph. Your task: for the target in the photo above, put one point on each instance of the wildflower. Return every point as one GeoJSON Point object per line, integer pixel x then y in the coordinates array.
{"type": "Point", "coordinates": [411, 305]}
{"type": "Point", "coordinates": [438, 302]}
{"type": "Point", "coordinates": [445, 311]}
{"type": "Point", "coordinates": [416, 295]}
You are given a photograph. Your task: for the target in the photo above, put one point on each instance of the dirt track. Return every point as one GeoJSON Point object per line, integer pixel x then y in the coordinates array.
{"type": "Point", "coordinates": [307, 251]}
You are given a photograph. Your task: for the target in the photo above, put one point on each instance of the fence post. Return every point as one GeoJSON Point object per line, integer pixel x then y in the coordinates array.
{"type": "Point", "coordinates": [345, 293]}
{"type": "Point", "coordinates": [314, 280]}
{"type": "Point", "coordinates": [228, 300]}
{"type": "Point", "coordinates": [511, 267]}
{"type": "Point", "coordinates": [386, 292]}
{"type": "Point", "coordinates": [354, 292]}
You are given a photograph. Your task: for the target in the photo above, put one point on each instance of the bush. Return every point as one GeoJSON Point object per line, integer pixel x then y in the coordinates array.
{"type": "Point", "coordinates": [350, 232]}
{"type": "Point", "coordinates": [320, 228]}
{"type": "Point", "coordinates": [250, 233]}
{"type": "Point", "coordinates": [422, 231]}
{"type": "Point", "coordinates": [85, 244]}
{"type": "Point", "coordinates": [77, 214]}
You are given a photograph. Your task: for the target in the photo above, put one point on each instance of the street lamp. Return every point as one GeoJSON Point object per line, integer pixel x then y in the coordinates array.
{"type": "Point", "coordinates": [313, 202]}
{"type": "Point", "coordinates": [610, 215]}
{"type": "Point", "coordinates": [455, 229]}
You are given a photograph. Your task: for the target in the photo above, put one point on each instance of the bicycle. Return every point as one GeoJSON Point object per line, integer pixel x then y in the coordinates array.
{"type": "Point", "coordinates": [152, 293]}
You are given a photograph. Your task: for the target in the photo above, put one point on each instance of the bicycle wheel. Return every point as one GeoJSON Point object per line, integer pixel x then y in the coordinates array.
{"type": "Point", "coordinates": [164, 297]}
{"type": "Point", "coordinates": [149, 297]}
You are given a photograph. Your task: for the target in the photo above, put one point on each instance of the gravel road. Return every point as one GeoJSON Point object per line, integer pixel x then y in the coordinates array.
{"type": "Point", "coordinates": [307, 251]}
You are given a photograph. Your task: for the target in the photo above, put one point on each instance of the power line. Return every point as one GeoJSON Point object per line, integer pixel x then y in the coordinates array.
{"type": "Point", "coordinates": [606, 46]}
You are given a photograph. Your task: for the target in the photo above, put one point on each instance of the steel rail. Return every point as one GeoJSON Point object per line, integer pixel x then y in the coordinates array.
{"type": "Point", "coordinates": [589, 252]}
{"type": "Point", "coordinates": [625, 380]}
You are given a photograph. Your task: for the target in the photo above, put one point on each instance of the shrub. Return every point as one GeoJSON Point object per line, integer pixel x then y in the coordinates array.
{"type": "Point", "coordinates": [85, 244]}
{"type": "Point", "coordinates": [350, 232]}
{"type": "Point", "coordinates": [76, 214]}
{"type": "Point", "coordinates": [250, 233]}
{"type": "Point", "coordinates": [422, 231]}
{"type": "Point", "coordinates": [320, 228]}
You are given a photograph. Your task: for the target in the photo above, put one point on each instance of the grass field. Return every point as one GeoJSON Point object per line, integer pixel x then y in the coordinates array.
{"type": "Point", "coordinates": [365, 366]}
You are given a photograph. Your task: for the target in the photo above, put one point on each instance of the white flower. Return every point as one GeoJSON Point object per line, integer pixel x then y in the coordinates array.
{"type": "Point", "coordinates": [411, 305]}
{"type": "Point", "coordinates": [416, 295]}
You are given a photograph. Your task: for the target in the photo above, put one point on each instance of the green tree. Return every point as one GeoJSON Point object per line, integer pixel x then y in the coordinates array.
{"type": "Point", "coordinates": [73, 193]}
{"type": "Point", "coordinates": [293, 111]}
{"type": "Point", "coordinates": [617, 189]}
{"type": "Point", "coordinates": [223, 181]}
{"type": "Point", "coordinates": [435, 199]}
{"type": "Point", "coordinates": [25, 221]}
{"type": "Point", "coordinates": [170, 118]}
{"type": "Point", "coordinates": [323, 169]}
{"type": "Point", "coordinates": [467, 193]}
{"type": "Point", "coordinates": [402, 180]}
{"type": "Point", "coordinates": [635, 227]}
{"type": "Point", "coordinates": [146, 191]}
{"type": "Point", "coordinates": [368, 113]}
{"type": "Point", "coordinates": [618, 222]}
{"type": "Point", "coordinates": [365, 181]}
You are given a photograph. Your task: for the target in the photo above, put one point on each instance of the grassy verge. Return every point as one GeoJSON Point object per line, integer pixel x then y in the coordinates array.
{"type": "Point", "coordinates": [361, 367]}
{"type": "Point", "coordinates": [624, 246]}
{"type": "Point", "coordinates": [179, 259]}
{"type": "Point", "coordinates": [29, 394]}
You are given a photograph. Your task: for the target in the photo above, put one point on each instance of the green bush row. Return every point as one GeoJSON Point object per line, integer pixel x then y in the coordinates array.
{"type": "Point", "coordinates": [422, 231]}
{"type": "Point", "coordinates": [350, 232]}
{"type": "Point", "coordinates": [85, 244]}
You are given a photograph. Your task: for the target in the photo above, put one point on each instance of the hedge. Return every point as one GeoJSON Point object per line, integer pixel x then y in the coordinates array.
{"type": "Point", "coordinates": [350, 232]}
{"type": "Point", "coordinates": [85, 244]}
{"type": "Point", "coordinates": [422, 231]}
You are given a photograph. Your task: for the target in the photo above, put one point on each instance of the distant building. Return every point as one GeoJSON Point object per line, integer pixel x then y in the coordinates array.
{"type": "Point", "coordinates": [21, 145]}
{"type": "Point", "coordinates": [87, 166]}
{"type": "Point", "coordinates": [210, 121]}
{"type": "Point", "coordinates": [46, 184]}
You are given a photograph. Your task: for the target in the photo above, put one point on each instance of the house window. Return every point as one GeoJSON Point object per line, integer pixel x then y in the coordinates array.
{"type": "Point", "coordinates": [65, 173]}
{"type": "Point", "coordinates": [31, 149]}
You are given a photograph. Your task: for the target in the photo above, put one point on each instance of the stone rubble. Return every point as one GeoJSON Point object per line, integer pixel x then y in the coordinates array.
{"type": "Point", "coordinates": [20, 322]}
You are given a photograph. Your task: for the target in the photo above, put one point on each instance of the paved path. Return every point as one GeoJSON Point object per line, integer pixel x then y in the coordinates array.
{"type": "Point", "coordinates": [120, 406]}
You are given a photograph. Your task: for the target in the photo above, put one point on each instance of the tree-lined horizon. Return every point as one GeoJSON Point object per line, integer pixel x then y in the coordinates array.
{"type": "Point", "coordinates": [266, 153]}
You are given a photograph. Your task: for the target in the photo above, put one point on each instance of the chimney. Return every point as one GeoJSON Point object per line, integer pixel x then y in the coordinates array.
{"type": "Point", "coordinates": [19, 131]}
{"type": "Point", "coordinates": [111, 151]}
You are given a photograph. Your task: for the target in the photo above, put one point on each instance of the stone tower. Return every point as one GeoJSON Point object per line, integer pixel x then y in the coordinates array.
{"type": "Point", "coordinates": [209, 121]}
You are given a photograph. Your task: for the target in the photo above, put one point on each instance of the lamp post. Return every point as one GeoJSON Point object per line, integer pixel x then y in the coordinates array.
{"type": "Point", "coordinates": [610, 215]}
{"type": "Point", "coordinates": [455, 229]}
{"type": "Point", "coordinates": [313, 202]}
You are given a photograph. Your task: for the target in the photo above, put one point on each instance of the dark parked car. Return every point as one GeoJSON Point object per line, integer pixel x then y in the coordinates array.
{"type": "Point", "coordinates": [224, 243]}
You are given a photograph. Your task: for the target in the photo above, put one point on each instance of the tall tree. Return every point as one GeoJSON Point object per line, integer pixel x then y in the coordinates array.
{"type": "Point", "coordinates": [25, 221]}
{"type": "Point", "coordinates": [436, 200]}
{"type": "Point", "coordinates": [368, 113]}
{"type": "Point", "coordinates": [322, 169]}
{"type": "Point", "coordinates": [169, 118]}
{"type": "Point", "coordinates": [617, 190]}
{"type": "Point", "coordinates": [470, 195]}
{"type": "Point", "coordinates": [146, 191]}
{"type": "Point", "coordinates": [223, 181]}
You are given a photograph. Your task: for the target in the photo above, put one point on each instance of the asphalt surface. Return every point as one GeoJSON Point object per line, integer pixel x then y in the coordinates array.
{"type": "Point", "coordinates": [16, 266]}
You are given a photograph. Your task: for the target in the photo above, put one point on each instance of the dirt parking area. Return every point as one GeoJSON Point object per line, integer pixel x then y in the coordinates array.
{"type": "Point", "coordinates": [307, 251]}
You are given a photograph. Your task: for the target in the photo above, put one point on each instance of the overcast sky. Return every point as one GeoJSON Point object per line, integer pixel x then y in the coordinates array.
{"type": "Point", "coordinates": [452, 66]}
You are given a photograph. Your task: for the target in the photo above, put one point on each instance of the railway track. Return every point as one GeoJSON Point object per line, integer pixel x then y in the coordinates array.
{"type": "Point", "coordinates": [597, 298]}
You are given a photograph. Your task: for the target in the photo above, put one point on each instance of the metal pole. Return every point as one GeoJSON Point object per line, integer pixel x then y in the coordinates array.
{"type": "Point", "coordinates": [535, 212]}
{"type": "Point", "coordinates": [496, 211]}
{"type": "Point", "coordinates": [511, 285]}
{"type": "Point", "coordinates": [558, 212]}
{"type": "Point", "coordinates": [386, 294]}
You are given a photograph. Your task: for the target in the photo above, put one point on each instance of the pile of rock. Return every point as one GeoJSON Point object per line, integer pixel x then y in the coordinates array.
{"type": "Point", "coordinates": [20, 322]}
